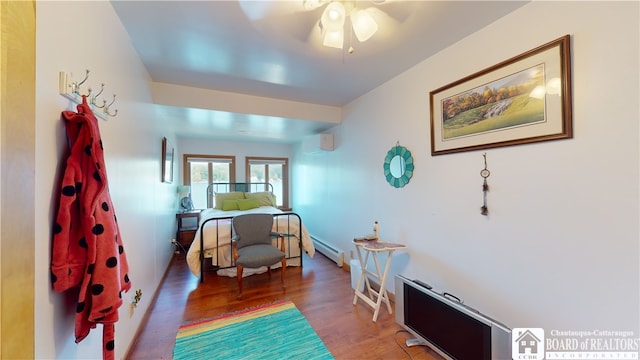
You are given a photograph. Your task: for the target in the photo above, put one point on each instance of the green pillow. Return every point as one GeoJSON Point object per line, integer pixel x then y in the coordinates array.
{"type": "Point", "coordinates": [265, 198]}
{"type": "Point", "coordinates": [230, 205]}
{"type": "Point", "coordinates": [247, 204]}
{"type": "Point", "coordinates": [221, 197]}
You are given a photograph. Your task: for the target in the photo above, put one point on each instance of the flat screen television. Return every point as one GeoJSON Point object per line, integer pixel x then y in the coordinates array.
{"type": "Point", "coordinates": [450, 328]}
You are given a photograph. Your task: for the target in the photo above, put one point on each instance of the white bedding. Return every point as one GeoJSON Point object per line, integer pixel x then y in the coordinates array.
{"type": "Point", "coordinates": [224, 258]}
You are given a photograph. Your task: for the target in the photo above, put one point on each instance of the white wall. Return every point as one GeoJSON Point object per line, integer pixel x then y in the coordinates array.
{"type": "Point", "coordinates": [559, 249]}
{"type": "Point", "coordinates": [72, 37]}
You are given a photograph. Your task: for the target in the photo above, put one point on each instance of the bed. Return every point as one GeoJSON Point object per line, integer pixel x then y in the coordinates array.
{"type": "Point", "coordinates": [226, 200]}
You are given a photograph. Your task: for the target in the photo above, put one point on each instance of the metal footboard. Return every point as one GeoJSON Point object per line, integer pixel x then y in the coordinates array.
{"type": "Point", "coordinates": [289, 234]}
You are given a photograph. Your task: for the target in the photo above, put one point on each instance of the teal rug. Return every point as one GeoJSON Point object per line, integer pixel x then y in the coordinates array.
{"type": "Point", "coordinates": [273, 331]}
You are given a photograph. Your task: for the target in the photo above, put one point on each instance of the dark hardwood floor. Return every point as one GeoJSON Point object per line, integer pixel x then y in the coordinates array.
{"type": "Point", "coordinates": [320, 290]}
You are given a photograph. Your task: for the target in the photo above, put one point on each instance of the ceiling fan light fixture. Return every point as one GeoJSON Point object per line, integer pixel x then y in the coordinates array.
{"type": "Point", "coordinates": [334, 39]}
{"type": "Point", "coordinates": [364, 25]}
{"type": "Point", "coordinates": [333, 16]}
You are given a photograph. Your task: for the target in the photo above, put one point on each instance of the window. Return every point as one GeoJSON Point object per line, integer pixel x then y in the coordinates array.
{"type": "Point", "coordinates": [202, 170]}
{"type": "Point", "coordinates": [271, 170]}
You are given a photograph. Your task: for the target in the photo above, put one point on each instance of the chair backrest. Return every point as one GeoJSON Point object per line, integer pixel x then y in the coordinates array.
{"type": "Point", "coordinates": [252, 229]}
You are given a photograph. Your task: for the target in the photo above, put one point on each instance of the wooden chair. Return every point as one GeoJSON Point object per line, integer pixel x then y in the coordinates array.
{"type": "Point", "coordinates": [252, 245]}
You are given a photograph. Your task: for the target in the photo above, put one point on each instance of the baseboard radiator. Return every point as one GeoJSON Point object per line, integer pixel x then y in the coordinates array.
{"type": "Point", "coordinates": [328, 250]}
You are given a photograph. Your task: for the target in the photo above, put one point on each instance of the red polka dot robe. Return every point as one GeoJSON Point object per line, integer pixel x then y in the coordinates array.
{"type": "Point", "coordinates": [87, 248]}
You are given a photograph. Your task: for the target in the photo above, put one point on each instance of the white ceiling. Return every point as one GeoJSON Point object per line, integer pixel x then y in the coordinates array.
{"type": "Point", "coordinates": [255, 70]}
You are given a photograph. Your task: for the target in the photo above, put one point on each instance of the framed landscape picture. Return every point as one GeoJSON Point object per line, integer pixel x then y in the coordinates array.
{"type": "Point", "coordinates": [522, 100]}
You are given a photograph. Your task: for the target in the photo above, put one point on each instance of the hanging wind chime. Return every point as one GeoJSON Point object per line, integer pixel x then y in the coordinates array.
{"type": "Point", "coordinates": [484, 210]}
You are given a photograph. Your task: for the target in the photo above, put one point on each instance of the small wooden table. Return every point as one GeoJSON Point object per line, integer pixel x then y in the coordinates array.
{"type": "Point", "coordinates": [186, 233]}
{"type": "Point", "coordinates": [372, 297]}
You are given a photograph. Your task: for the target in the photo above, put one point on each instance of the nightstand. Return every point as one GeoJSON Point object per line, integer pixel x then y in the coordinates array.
{"type": "Point", "coordinates": [187, 225]}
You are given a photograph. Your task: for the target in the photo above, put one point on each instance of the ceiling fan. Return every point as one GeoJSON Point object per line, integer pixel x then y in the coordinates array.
{"type": "Point", "coordinates": [336, 14]}
{"type": "Point", "coordinates": [328, 22]}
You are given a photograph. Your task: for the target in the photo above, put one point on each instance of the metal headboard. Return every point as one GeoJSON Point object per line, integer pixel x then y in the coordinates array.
{"type": "Point", "coordinates": [214, 188]}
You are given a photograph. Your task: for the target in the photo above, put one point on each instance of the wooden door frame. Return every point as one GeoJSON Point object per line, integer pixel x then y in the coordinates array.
{"type": "Point", "coordinates": [17, 179]}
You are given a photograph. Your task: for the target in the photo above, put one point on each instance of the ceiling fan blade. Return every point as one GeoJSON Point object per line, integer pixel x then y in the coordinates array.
{"type": "Point", "coordinates": [297, 26]}
{"type": "Point", "coordinates": [399, 10]}
{"type": "Point", "coordinates": [258, 10]}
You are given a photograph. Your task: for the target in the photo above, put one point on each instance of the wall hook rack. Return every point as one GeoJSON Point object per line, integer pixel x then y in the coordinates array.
{"type": "Point", "coordinates": [72, 90]}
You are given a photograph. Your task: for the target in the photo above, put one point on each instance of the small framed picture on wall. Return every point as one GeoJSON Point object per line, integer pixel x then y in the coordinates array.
{"type": "Point", "coordinates": [167, 161]}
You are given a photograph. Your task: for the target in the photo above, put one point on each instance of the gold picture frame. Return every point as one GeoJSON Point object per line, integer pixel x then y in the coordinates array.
{"type": "Point", "coordinates": [522, 100]}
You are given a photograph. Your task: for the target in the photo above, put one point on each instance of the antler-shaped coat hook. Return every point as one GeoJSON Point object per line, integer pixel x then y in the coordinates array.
{"type": "Point", "coordinates": [95, 97]}
{"type": "Point", "coordinates": [106, 107]}
{"type": "Point", "coordinates": [75, 86]}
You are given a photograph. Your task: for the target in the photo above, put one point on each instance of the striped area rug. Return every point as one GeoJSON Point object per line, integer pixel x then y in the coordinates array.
{"type": "Point", "coordinates": [272, 331]}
